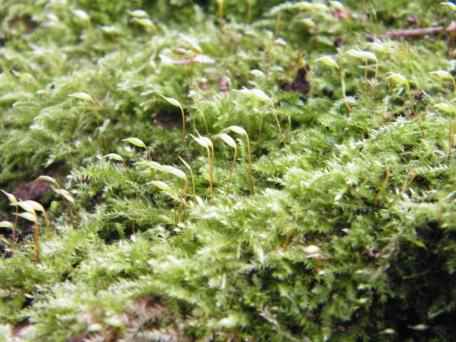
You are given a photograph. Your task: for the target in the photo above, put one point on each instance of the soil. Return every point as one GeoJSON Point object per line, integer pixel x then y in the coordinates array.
{"type": "Point", "coordinates": [300, 84]}
{"type": "Point", "coordinates": [168, 118]}
{"type": "Point", "coordinates": [35, 190]}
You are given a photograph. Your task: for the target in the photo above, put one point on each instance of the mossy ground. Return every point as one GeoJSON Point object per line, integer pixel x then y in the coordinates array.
{"type": "Point", "coordinates": [318, 206]}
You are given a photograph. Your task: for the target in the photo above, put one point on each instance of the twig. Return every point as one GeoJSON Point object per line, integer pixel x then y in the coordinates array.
{"type": "Point", "coordinates": [421, 32]}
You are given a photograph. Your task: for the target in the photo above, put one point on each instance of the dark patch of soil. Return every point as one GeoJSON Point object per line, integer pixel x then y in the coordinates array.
{"type": "Point", "coordinates": [412, 21]}
{"type": "Point", "coordinates": [421, 273]}
{"type": "Point", "coordinates": [338, 42]}
{"type": "Point", "coordinates": [300, 84]}
{"type": "Point", "coordinates": [24, 23]}
{"type": "Point", "coordinates": [39, 190]}
{"type": "Point", "coordinates": [168, 118]}
{"type": "Point", "coordinates": [202, 3]}
{"type": "Point", "coordinates": [19, 331]}
{"type": "Point", "coordinates": [5, 252]}
{"type": "Point", "coordinates": [35, 190]}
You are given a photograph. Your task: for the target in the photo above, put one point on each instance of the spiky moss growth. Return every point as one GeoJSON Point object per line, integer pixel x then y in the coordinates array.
{"type": "Point", "coordinates": [347, 231]}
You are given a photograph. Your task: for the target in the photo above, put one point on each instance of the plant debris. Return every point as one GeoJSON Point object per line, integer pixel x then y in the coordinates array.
{"type": "Point", "coordinates": [422, 32]}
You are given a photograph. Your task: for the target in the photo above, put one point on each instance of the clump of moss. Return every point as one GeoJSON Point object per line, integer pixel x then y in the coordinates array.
{"type": "Point", "coordinates": [227, 170]}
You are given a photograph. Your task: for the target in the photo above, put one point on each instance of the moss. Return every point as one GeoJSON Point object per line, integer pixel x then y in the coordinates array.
{"type": "Point", "coordinates": [332, 210]}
